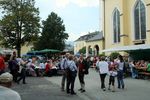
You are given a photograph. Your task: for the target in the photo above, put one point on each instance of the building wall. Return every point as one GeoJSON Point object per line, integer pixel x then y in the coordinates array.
{"type": "Point", "coordinates": [125, 8]}
{"type": "Point", "coordinates": [92, 44]}
{"type": "Point", "coordinates": [79, 45]}
{"type": "Point", "coordinates": [25, 49]}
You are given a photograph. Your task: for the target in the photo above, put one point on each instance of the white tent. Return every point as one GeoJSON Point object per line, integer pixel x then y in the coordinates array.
{"type": "Point", "coordinates": [128, 48]}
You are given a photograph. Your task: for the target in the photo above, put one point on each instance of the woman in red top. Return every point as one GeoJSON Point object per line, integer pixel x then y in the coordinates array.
{"type": "Point", "coordinates": [48, 68]}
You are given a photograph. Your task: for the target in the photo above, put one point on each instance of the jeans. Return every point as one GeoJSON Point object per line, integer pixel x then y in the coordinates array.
{"type": "Point", "coordinates": [134, 73]}
{"type": "Point", "coordinates": [102, 77]}
{"type": "Point", "coordinates": [23, 76]}
{"type": "Point", "coordinates": [64, 76]}
{"type": "Point", "coordinates": [81, 79]}
{"type": "Point", "coordinates": [120, 79]}
{"type": "Point", "coordinates": [112, 80]}
{"type": "Point", "coordinates": [14, 74]}
{"type": "Point", "coordinates": [70, 81]}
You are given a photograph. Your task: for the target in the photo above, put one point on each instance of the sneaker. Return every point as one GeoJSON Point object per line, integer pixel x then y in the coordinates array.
{"type": "Point", "coordinates": [123, 87]}
{"type": "Point", "coordinates": [17, 82]}
{"type": "Point", "coordinates": [82, 91]}
{"type": "Point", "coordinates": [62, 89]}
{"type": "Point", "coordinates": [104, 89]}
{"type": "Point", "coordinates": [73, 93]}
{"type": "Point", "coordinates": [68, 92]}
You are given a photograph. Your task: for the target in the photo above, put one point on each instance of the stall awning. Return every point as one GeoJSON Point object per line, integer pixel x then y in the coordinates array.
{"type": "Point", "coordinates": [128, 48]}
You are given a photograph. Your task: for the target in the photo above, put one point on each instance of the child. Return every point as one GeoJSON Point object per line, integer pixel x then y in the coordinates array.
{"type": "Point", "coordinates": [112, 73]}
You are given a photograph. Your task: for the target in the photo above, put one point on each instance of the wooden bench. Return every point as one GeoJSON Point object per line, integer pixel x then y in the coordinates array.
{"type": "Point", "coordinates": [144, 75]}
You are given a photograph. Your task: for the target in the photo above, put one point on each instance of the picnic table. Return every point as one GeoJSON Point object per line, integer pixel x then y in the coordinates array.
{"type": "Point", "coordinates": [142, 72]}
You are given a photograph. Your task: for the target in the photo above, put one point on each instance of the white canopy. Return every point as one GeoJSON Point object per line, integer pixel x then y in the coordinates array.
{"type": "Point", "coordinates": [128, 48]}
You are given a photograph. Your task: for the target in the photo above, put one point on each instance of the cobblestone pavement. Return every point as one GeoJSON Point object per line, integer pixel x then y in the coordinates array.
{"type": "Point", "coordinates": [39, 88]}
{"type": "Point", "coordinates": [48, 88]}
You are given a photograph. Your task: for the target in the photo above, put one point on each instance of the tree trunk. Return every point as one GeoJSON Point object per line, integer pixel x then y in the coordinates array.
{"type": "Point", "coordinates": [19, 51]}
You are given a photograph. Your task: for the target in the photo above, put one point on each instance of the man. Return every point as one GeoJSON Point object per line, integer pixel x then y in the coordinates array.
{"type": "Point", "coordinates": [2, 64]}
{"type": "Point", "coordinates": [81, 68]}
{"type": "Point", "coordinates": [22, 65]}
{"type": "Point", "coordinates": [63, 68]}
{"type": "Point", "coordinates": [103, 70]}
{"type": "Point", "coordinates": [13, 67]}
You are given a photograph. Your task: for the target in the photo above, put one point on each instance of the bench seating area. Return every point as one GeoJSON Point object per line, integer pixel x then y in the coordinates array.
{"type": "Point", "coordinates": [144, 75]}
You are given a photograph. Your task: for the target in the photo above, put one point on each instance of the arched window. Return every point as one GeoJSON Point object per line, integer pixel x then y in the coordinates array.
{"type": "Point", "coordinates": [116, 26]}
{"type": "Point", "coordinates": [140, 21]}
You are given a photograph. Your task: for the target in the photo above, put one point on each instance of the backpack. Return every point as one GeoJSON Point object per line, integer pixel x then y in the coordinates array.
{"type": "Point", "coordinates": [87, 66]}
{"type": "Point", "coordinates": [124, 68]}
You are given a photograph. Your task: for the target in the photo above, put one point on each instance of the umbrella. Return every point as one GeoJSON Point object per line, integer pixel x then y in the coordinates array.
{"type": "Point", "coordinates": [33, 52]}
{"type": "Point", "coordinates": [50, 50]}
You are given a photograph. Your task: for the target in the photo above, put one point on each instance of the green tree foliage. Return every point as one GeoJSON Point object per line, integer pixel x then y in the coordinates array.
{"type": "Point", "coordinates": [83, 50]}
{"type": "Point", "coordinates": [20, 23]}
{"type": "Point", "coordinates": [102, 54]}
{"type": "Point", "coordinates": [53, 34]}
{"type": "Point", "coordinates": [114, 55]}
{"type": "Point", "coordinates": [90, 50]}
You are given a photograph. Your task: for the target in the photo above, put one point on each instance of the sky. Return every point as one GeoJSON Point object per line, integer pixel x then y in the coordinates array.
{"type": "Point", "coordinates": [79, 16]}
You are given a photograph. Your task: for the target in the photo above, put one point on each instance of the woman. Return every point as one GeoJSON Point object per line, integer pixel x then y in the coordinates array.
{"type": "Point", "coordinates": [71, 75]}
{"type": "Point", "coordinates": [120, 68]}
{"type": "Point", "coordinates": [112, 74]}
{"type": "Point", "coordinates": [103, 70]}
{"type": "Point", "coordinates": [48, 68]}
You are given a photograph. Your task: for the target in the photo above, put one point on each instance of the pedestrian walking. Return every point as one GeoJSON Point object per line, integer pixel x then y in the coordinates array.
{"type": "Point", "coordinates": [103, 70]}
{"type": "Point", "coordinates": [63, 66]}
{"type": "Point", "coordinates": [81, 71]}
{"type": "Point", "coordinates": [71, 75]}
{"type": "Point", "coordinates": [22, 69]}
{"type": "Point", "coordinates": [120, 72]}
{"type": "Point", "coordinates": [112, 75]}
{"type": "Point", "coordinates": [14, 67]}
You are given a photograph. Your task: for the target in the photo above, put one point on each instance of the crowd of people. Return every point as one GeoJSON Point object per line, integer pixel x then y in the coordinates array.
{"type": "Point", "coordinates": [139, 66]}
{"type": "Point", "coordinates": [20, 67]}
{"type": "Point", "coordinates": [71, 67]}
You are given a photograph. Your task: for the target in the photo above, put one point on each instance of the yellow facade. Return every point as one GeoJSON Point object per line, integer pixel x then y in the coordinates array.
{"type": "Point", "coordinates": [79, 45]}
{"type": "Point", "coordinates": [92, 45]}
{"type": "Point", "coordinates": [89, 44]}
{"type": "Point", "coordinates": [126, 9]}
{"type": "Point", "coordinates": [26, 48]}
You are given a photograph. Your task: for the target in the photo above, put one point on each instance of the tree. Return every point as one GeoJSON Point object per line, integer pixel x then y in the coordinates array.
{"type": "Point", "coordinates": [114, 55]}
{"type": "Point", "coordinates": [20, 23]}
{"type": "Point", "coordinates": [83, 50]}
{"type": "Point", "coordinates": [53, 34]}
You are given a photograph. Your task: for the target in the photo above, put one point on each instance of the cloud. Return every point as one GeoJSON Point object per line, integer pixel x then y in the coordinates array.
{"type": "Point", "coordinates": [74, 36]}
{"type": "Point", "coordinates": [62, 3]}
{"type": "Point", "coordinates": [80, 3]}
{"type": "Point", "coordinates": [86, 3]}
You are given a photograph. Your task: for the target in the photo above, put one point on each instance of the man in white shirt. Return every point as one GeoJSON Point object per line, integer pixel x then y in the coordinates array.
{"type": "Point", "coordinates": [103, 70]}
